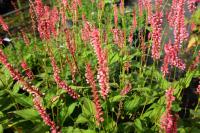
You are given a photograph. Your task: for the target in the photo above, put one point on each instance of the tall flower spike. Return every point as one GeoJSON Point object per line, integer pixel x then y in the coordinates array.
{"type": "Point", "coordinates": [134, 25]}
{"type": "Point", "coordinates": [3, 24]}
{"type": "Point", "coordinates": [156, 23]}
{"type": "Point", "coordinates": [171, 58]}
{"type": "Point", "coordinates": [60, 82]}
{"type": "Point", "coordinates": [16, 76]}
{"type": "Point", "coordinates": [168, 120]}
{"type": "Point", "coordinates": [90, 80]}
{"type": "Point", "coordinates": [118, 37]}
{"type": "Point", "coordinates": [180, 31]}
{"type": "Point", "coordinates": [103, 75]}
{"type": "Point", "coordinates": [115, 15]}
{"type": "Point", "coordinates": [46, 118]}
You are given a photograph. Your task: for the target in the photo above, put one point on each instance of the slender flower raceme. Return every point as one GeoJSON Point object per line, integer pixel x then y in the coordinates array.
{"type": "Point", "coordinates": [168, 120]}
{"type": "Point", "coordinates": [85, 31]}
{"type": "Point", "coordinates": [46, 118]}
{"type": "Point", "coordinates": [156, 23]}
{"type": "Point", "coordinates": [121, 6]}
{"type": "Point", "coordinates": [16, 76]}
{"type": "Point", "coordinates": [46, 19]}
{"type": "Point", "coordinates": [140, 7]}
{"type": "Point", "coordinates": [70, 42]}
{"type": "Point", "coordinates": [25, 38]}
{"type": "Point", "coordinates": [31, 89]}
{"type": "Point", "coordinates": [126, 89]}
{"type": "Point", "coordinates": [115, 15]}
{"type": "Point", "coordinates": [32, 15]}
{"type": "Point", "coordinates": [118, 37]}
{"type": "Point", "coordinates": [39, 8]}
{"type": "Point", "coordinates": [180, 31]}
{"type": "Point", "coordinates": [171, 58]}
{"type": "Point", "coordinates": [103, 75]}
{"type": "Point", "coordinates": [3, 24]}
{"type": "Point", "coordinates": [60, 82]}
{"type": "Point", "coordinates": [175, 19]}
{"type": "Point", "coordinates": [90, 80]}
{"type": "Point", "coordinates": [133, 27]}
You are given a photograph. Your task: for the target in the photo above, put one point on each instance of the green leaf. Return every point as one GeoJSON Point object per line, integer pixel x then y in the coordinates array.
{"type": "Point", "coordinates": [88, 107]}
{"type": "Point", "coordinates": [67, 111]}
{"type": "Point", "coordinates": [138, 125]}
{"type": "Point", "coordinates": [115, 58]}
{"type": "Point", "coordinates": [115, 98]}
{"type": "Point", "coordinates": [23, 100]}
{"type": "Point", "coordinates": [1, 128]}
{"type": "Point", "coordinates": [176, 107]}
{"type": "Point", "coordinates": [27, 114]}
{"type": "Point", "coordinates": [81, 119]}
{"type": "Point", "coordinates": [110, 124]}
{"type": "Point", "coordinates": [16, 88]}
{"type": "Point", "coordinates": [133, 104]}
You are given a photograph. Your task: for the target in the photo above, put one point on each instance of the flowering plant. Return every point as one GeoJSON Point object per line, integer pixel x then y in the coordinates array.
{"type": "Point", "coordinates": [97, 66]}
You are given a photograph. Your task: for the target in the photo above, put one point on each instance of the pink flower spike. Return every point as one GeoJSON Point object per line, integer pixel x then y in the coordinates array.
{"type": "Point", "coordinates": [156, 23]}
{"type": "Point", "coordinates": [103, 74]}
{"type": "Point", "coordinates": [46, 118]}
{"type": "Point", "coordinates": [115, 15]}
{"type": "Point", "coordinates": [168, 120]}
{"type": "Point", "coordinates": [90, 80]}
{"type": "Point", "coordinates": [60, 82]}
{"type": "Point", "coordinates": [3, 24]}
{"type": "Point", "coordinates": [171, 58]}
{"type": "Point", "coordinates": [126, 89]}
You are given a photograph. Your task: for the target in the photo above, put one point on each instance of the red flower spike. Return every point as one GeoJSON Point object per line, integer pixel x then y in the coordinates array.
{"type": "Point", "coordinates": [3, 24]}
{"type": "Point", "coordinates": [90, 80]}
{"type": "Point", "coordinates": [103, 75]}
{"type": "Point", "coordinates": [46, 118]}
{"type": "Point", "coordinates": [169, 121]}
{"type": "Point", "coordinates": [60, 82]}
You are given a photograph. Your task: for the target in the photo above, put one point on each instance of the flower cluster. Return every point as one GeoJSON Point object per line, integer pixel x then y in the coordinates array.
{"type": "Point", "coordinates": [60, 82]}
{"type": "Point", "coordinates": [90, 80]}
{"type": "Point", "coordinates": [168, 120]}
{"type": "Point", "coordinates": [103, 75]}
{"type": "Point", "coordinates": [171, 58]}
